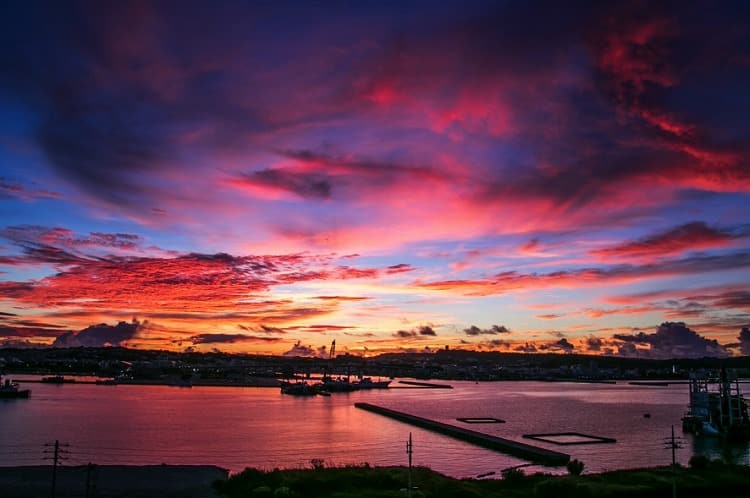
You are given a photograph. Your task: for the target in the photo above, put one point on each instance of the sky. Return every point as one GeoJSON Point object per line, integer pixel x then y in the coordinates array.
{"type": "Point", "coordinates": [395, 176]}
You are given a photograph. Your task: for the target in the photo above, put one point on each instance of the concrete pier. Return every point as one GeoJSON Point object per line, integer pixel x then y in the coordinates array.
{"type": "Point", "coordinates": [515, 448]}
{"type": "Point", "coordinates": [426, 385]}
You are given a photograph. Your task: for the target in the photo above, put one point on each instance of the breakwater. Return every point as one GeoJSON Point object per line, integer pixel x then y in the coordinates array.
{"type": "Point", "coordinates": [515, 448]}
{"type": "Point", "coordinates": [426, 385]}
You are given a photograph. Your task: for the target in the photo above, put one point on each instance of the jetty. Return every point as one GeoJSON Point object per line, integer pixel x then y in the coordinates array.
{"type": "Point", "coordinates": [426, 385]}
{"type": "Point", "coordinates": [515, 448]}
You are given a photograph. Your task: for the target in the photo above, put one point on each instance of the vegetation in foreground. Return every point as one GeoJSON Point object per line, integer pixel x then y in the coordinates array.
{"type": "Point", "coordinates": [701, 479]}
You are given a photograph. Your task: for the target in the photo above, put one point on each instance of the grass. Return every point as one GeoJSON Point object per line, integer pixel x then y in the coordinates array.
{"type": "Point", "coordinates": [716, 479]}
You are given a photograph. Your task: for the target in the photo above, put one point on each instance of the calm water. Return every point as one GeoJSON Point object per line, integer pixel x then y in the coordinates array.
{"type": "Point", "coordinates": [258, 427]}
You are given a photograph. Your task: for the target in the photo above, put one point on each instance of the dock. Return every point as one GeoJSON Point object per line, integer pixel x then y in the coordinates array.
{"type": "Point", "coordinates": [502, 445]}
{"type": "Point", "coordinates": [425, 385]}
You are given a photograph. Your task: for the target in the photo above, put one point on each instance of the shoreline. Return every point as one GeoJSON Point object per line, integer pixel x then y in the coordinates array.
{"type": "Point", "coordinates": [109, 481]}
{"type": "Point", "coordinates": [702, 479]}
{"type": "Point", "coordinates": [276, 382]}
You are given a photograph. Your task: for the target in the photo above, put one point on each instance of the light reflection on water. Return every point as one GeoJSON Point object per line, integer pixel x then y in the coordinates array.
{"type": "Point", "coordinates": [258, 427]}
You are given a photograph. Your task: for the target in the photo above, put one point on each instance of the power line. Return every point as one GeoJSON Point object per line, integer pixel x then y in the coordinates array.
{"type": "Point", "coordinates": [673, 444]}
{"type": "Point", "coordinates": [59, 453]}
{"type": "Point", "coordinates": [409, 451]}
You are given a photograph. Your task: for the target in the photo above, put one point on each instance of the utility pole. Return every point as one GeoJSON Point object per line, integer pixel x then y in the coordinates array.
{"type": "Point", "coordinates": [89, 469]}
{"type": "Point", "coordinates": [409, 451]}
{"type": "Point", "coordinates": [58, 455]}
{"type": "Point", "coordinates": [673, 444]}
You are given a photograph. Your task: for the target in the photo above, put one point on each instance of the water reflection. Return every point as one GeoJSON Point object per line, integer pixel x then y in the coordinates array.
{"type": "Point", "coordinates": [259, 427]}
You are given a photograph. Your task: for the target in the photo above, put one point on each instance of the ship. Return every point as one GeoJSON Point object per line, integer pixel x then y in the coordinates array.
{"type": "Point", "coordinates": [10, 389]}
{"type": "Point", "coordinates": [299, 389]}
{"type": "Point", "coordinates": [717, 408]}
{"type": "Point", "coordinates": [368, 383]}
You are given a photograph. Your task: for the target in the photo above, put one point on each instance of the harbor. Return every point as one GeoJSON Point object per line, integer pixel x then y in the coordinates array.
{"type": "Point", "coordinates": [335, 430]}
{"type": "Point", "coordinates": [515, 448]}
{"type": "Point", "coordinates": [717, 408]}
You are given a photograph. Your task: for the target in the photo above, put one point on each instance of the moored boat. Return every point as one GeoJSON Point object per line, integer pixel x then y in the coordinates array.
{"type": "Point", "coordinates": [298, 389]}
{"type": "Point", "coordinates": [368, 383]}
{"type": "Point", "coordinates": [10, 389]}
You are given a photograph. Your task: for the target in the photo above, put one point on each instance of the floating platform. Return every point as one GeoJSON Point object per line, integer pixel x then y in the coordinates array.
{"type": "Point", "coordinates": [569, 438]}
{"type": "Point", "coordinates": [480, 420]}
{"type": "Point", "coordinates": [428, 385]}
{"type": "Point", "coordinates": [515, 448]}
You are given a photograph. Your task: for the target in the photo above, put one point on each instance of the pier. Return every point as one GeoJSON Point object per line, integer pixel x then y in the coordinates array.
{"type": "Point", "coordinates": [425, 385]}
{"type": "Point", "coordinates": [515, 448]}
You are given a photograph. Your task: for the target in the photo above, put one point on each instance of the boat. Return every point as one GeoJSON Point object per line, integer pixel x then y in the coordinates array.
{"type": "Point", "coordinates": [337, 385]}
{"type": "Point", "coordinates": [298, 389]}
{"type": "Point", "coordinates": [10, 389]}
{"type": "Point", "coordinates": [717, 409]}
{"type": "Point", "coordinates": [368, 383]}
{"type": "Point", "coordinates": [57, 379]}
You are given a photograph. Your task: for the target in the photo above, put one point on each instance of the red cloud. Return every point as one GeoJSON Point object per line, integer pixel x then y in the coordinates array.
{"type": "Point", "coordinates": [690, 236]}
{"type": "Point", "coordinates": [511, 281]}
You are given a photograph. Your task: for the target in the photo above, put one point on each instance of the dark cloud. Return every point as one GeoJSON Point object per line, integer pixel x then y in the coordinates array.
{"type": "Point", "coordinates": [100, 335]}
{"type": "Point", "coordinates": [426, 330]}
{"type": "Point", "coordinates": [266, 329]}
{"type": "Point", "coordinates": [744, 338]}
{"type": "Point", "coordinates": [594, 343]}
{"type": "Point", "coordinates": [21, 344]}
{"type": "Point", "coordinates": [16, 330]}
{"type": "Point", "coordinates": [405, 333]}
{"type": "Point", "coordinates": [303, 184]}
{"type": "Point", "coordinates": [495, 329]}
{"type": "Point", "coordinates": [32, 236]}
{"type": "Point", "coordinates": [229, 338]}
{"type": "Point", "coordinates": [10, 189]}
{"type": "Point", "coordinates": [109, 112]}
{"type": "Point", "coordinates": [299, 349]}
{"type": "Point", "coordinates": [694, 235]}
{"type": "Point", "coordinates": [399, 268]}
{"type": "Point", "coordinates": [671, 340]}
{"type": "Point", "coordinates": [560, 345]}
{"type": "Point", "coordinates": [422, 330]}
{"type": "Point", "coordinates": [512, 280]}
{"type": "Point", "coordinates": [525, 348]}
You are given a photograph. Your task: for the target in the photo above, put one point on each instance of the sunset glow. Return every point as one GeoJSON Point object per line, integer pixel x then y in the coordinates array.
{"type": "Point", "coordinates": [506, 176]}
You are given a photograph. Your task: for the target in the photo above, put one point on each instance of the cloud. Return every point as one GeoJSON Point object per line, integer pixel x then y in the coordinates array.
{"type": "Point", "coordinates": [299, 349]}
{"type": "Point", "coordinates": [526, 348]}
{"type": "Point", "coordinates": [594, 343]}
{"type": "Point", "coordinates": [405, 333]}
{"type": "Point", "coordinates": [671, 340]}
{"type": "Point", "coordinates": [421, 331]}
{"type": "Point", "coordinates": [560, 345]}
{"type": "Point", "coordinates": [266, 329]}
{"type": "Point", "coordinates": [305, 185]}
{"type": "Point", "coordinates": [399, 268]}
{"type": "Point", "coordinates": [426, 330]}
{"type": "Point", "coordinates": [11, 189]}
{"type": "Point", "coordinates": [40, 238]}
{"type": "Point", "coordinates": [744, 339]}
{"type": "Point", "coordinates": [495, 329]}
{"type": "Point", "coordinates": [230, 338]}
{"type": "Point", "coordinates": [100, 335]}
{"type": "Point", "coordinates": [512, 281]}
{"type": "Point", "coordinates": [689, 236]}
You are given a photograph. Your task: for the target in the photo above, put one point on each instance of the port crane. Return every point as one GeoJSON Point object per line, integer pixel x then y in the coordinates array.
{"type": "Point", "coordinates": [329, 363]}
